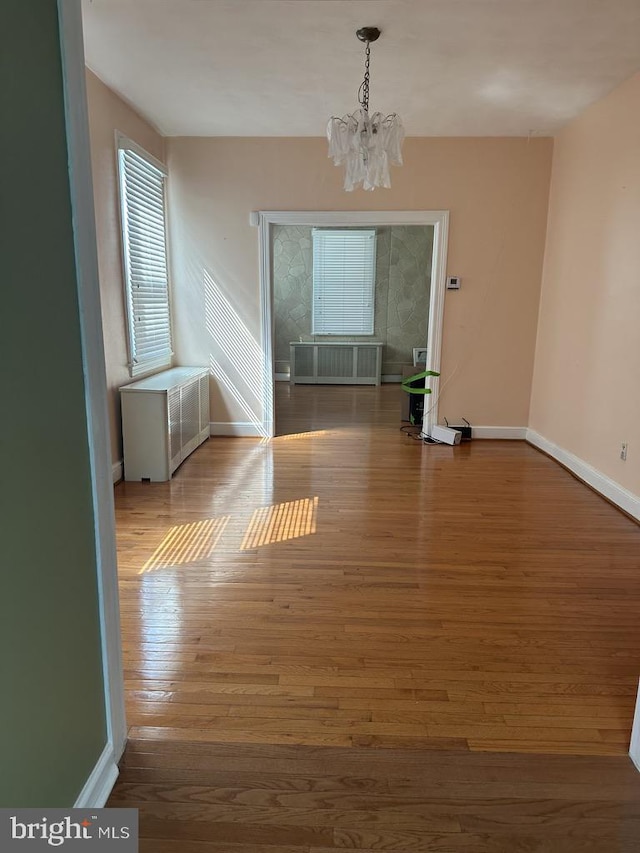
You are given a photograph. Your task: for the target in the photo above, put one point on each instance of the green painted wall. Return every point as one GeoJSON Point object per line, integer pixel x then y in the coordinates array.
{"type": "Point", "coordinates": [52, 721]}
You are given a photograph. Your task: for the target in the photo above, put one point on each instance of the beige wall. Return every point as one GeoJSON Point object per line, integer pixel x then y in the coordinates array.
{"type": "Point", "coordinates": [107, 114]}
{"type": "Point", "coordinates": [496, 190]}
{"type": "Point", "coordinates": [587, 370]}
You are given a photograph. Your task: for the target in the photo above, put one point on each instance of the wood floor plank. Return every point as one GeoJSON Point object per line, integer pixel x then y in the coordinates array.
{"type": "Point", "coordinates": [346, 792]}
{"type": "Point", "coordinates": [162, 845]}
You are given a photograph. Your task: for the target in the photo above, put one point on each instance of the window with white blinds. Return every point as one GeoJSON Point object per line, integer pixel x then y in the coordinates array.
{"type": "Point", "coordinates": [344, 273]}
{"type": "Point", "coordinates": [142, 203]}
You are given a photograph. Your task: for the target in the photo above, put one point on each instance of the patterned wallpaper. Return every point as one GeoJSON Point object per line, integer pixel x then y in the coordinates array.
{"type": "Point", "coordinates": [403, 279]}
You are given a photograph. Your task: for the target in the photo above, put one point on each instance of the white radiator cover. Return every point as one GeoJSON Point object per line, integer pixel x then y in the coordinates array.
{"type": "Point", "coordinates": [164, 418]}
{"type": "Point", "coordinates": [336, 363]}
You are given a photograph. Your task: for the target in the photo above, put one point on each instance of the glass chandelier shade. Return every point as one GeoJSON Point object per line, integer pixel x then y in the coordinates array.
{"type": "Point", "coordinates": [366, 145]}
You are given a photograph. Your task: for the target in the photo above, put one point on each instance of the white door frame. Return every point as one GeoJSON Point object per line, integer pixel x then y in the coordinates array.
{"type": "Point", "coordinates": [334, 218]}
{"type": "Point", "coordinates": [634, 746]}
{"type": "Point", "coordinates": [102, 778]}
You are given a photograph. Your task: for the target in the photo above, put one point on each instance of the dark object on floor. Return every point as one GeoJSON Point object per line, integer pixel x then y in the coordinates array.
{"type": "Point", "coordinates": [465, 431]}
{"type": "Point", "coordinates": [414, 386]}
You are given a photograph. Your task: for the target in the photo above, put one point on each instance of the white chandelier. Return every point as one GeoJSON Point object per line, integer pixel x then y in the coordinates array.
{"type": "Point", "coordinates": [366, 144]}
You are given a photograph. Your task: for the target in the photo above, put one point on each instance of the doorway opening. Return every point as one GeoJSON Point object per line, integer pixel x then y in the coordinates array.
{"type": "Point", "coordinates": [313, 367]}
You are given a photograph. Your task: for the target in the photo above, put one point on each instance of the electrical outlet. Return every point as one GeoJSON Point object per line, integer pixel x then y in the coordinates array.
{"type": "Point", "coordinates": [623, 451]}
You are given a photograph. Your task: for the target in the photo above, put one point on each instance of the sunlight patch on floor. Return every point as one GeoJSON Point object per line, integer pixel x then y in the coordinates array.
{"type": "Point", "coordinates": [187, 543]}
{"type": "Point", "coordinates": [310, 434]}
{"type": "Point", "coordinates": [280, 523]}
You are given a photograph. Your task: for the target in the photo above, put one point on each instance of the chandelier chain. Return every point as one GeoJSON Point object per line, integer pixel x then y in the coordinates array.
{"type": "Point", "coordinates": [363, 92]}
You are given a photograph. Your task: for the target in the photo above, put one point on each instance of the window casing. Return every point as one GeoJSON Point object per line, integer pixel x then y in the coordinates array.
{"type": "Point", "coordinates": [344, 274]}
{"type": "Point", "coordinates": [143, 220]}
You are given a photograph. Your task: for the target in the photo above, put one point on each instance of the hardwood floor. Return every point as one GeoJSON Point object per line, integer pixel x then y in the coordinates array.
{"type": "Point", "coordinates": [224, 798]}
{"type": "Point", "coordinates": [351, 587]}
{"type": "Point", "coordinates": [343, 638]}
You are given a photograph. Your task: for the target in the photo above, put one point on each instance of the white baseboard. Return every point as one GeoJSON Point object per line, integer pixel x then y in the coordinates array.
{"type": "Point", "coordinates": [500, 432]}
{"type": "Point", "coordinates": [117, 471]}
{"type": "Point", "coordinates": [239, 429]}
{"type": "Point", "coordinates": [607, 487]}
{"type": "Point", "coordinates": [282, 377]}
{"type": "Point", "coordinates": [99, 785]}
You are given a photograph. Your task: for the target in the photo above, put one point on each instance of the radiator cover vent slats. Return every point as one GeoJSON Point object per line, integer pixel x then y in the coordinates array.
{"type": "Point", "coordinates": [336, 363]}
{"type": "Point", "coordinates": [164, 418]}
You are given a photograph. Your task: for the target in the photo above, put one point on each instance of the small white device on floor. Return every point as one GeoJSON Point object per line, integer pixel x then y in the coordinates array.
{"type": "Point", "coordinates": [444, 434]}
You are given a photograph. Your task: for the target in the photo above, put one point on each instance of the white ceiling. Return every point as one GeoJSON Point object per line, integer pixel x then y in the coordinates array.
{"type": "Point", "coordinates": [282, 67]}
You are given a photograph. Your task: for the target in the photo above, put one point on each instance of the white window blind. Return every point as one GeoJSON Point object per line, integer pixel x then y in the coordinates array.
{"type": "Point", "coordinates": [344, 272]}
{"type": "Point", "coordinates": [145, 260]}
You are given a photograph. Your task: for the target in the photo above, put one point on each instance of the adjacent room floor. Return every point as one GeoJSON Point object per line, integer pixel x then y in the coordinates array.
{"type": "Point", "coordinates": [344, 587]}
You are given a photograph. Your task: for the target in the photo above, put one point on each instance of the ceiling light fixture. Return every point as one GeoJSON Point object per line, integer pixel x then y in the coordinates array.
{"type": "Point", "coordinates": [365, 144]}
